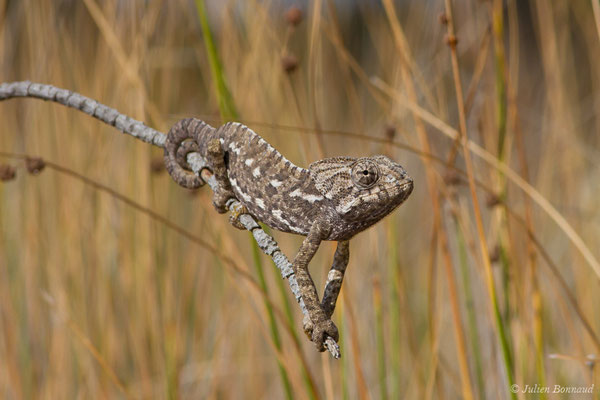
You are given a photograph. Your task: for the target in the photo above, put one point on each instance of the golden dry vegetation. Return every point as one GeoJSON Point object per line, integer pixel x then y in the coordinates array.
{"type": "Point", "coordinates": [486, 277]}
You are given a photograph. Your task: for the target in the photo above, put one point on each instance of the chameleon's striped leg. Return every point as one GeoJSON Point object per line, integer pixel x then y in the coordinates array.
{"type": "Point", "coordinates": [333, 284]}
{"type": "Point", "coordinates": [335, 277]}
{"type": "Point", "coordinates": [321, 324]}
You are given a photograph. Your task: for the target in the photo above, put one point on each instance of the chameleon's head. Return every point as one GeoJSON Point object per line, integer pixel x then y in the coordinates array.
{"type": "Point", "coordinates": [362, 189]}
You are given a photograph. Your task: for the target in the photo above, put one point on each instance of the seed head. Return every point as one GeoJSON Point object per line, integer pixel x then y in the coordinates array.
{"type": "Point", "coordinates": [443, 18]}
{"type": "Point", "coordinates": [7, 172]}
{"type": "Point", "coordinates": [451, 40]}
{"type": "Point", "coordinates": [289, 63]}
{"type": "Point", "coordinates": [34, 165]}
{"type": "Point", "coordinates": [390, 132]}
{"type": "Point", "coordinates": [293, 16]}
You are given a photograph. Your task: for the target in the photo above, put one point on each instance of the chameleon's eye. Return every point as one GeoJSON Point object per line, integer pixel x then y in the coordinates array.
{"type": "Point", "coordinates": [365, 174]}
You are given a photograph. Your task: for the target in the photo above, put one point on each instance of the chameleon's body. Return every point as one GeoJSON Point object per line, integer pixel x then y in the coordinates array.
{"type": "Point", "coordinates": [287, 197]}
{"type": "Point", "coordinates": [334, 199]}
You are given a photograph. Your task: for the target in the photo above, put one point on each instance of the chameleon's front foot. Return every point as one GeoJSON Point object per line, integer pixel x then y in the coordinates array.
{"type": "Point", "coordinates": [321, 330]}
{"type": "Point", "coordinates": [220, 198]}
{"type": "Point", "coordinates": [318, 336]}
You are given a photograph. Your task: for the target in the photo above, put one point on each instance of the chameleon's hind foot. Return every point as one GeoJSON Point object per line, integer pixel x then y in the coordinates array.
{"type": "Point", "coordinates": [216, 161]}
{"type": "Point", "coordinates": [219, 200]}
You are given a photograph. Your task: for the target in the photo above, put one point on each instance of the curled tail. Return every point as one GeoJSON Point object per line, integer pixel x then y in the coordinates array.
{"type": "Point", "coordinates": [185, 137]}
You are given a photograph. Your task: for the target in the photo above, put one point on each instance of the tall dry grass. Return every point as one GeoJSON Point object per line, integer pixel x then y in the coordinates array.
{"type": "Point", "coordinates": [486, 277]}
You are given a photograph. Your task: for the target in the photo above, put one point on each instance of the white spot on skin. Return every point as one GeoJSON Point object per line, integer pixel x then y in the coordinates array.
{"type": "Point", "coordinates": [370, 198]}
{"type": "Point", "coordinates": [279, 215]}
{"type": "Point", "coordinates": [245, 196]}
{"type": "Point", "coordinates": [375, 190]}
{"type": "Point", "coordinates": [249, 161]}
{"type": "Point", "coordinates": [297, 230]}
{"type": "Point", "coordinates": [346, 205]}
{"type": "Point", "coordinates": [275, 183]}
{"type": "Point", "coordinates": [333, 275]}
{"type": "Point", "coordinates": [234, 148]}
{"type": "Point", "coordinates": [256, 172]}
{"type": "Point", "coordinates": [311, 198]}
{"type": "Point", "coordinates": [239, 191]}
{"type": "Point", "coordinates": [260, 203]}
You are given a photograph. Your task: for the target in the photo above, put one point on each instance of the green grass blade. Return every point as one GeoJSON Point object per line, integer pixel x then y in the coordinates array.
{"type": "Point", "coordinates": [226, 104]}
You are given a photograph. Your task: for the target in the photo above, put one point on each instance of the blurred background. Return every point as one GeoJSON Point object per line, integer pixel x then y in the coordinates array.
{"type": "Point", "coordinates": [457, 294]}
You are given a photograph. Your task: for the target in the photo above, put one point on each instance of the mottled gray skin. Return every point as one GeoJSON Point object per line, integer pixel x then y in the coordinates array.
{"type": "Point", "coordinates": [334, 199]}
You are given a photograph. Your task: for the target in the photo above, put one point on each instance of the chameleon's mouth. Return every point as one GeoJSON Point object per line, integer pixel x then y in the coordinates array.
{"type": "Point", "coordinates": [407, 186]}
{"type": "Point", "coordinates": [399, 193]}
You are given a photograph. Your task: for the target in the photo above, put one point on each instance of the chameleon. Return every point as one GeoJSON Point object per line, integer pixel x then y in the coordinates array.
{"type": "Point", "coordinates": [332, 200]}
